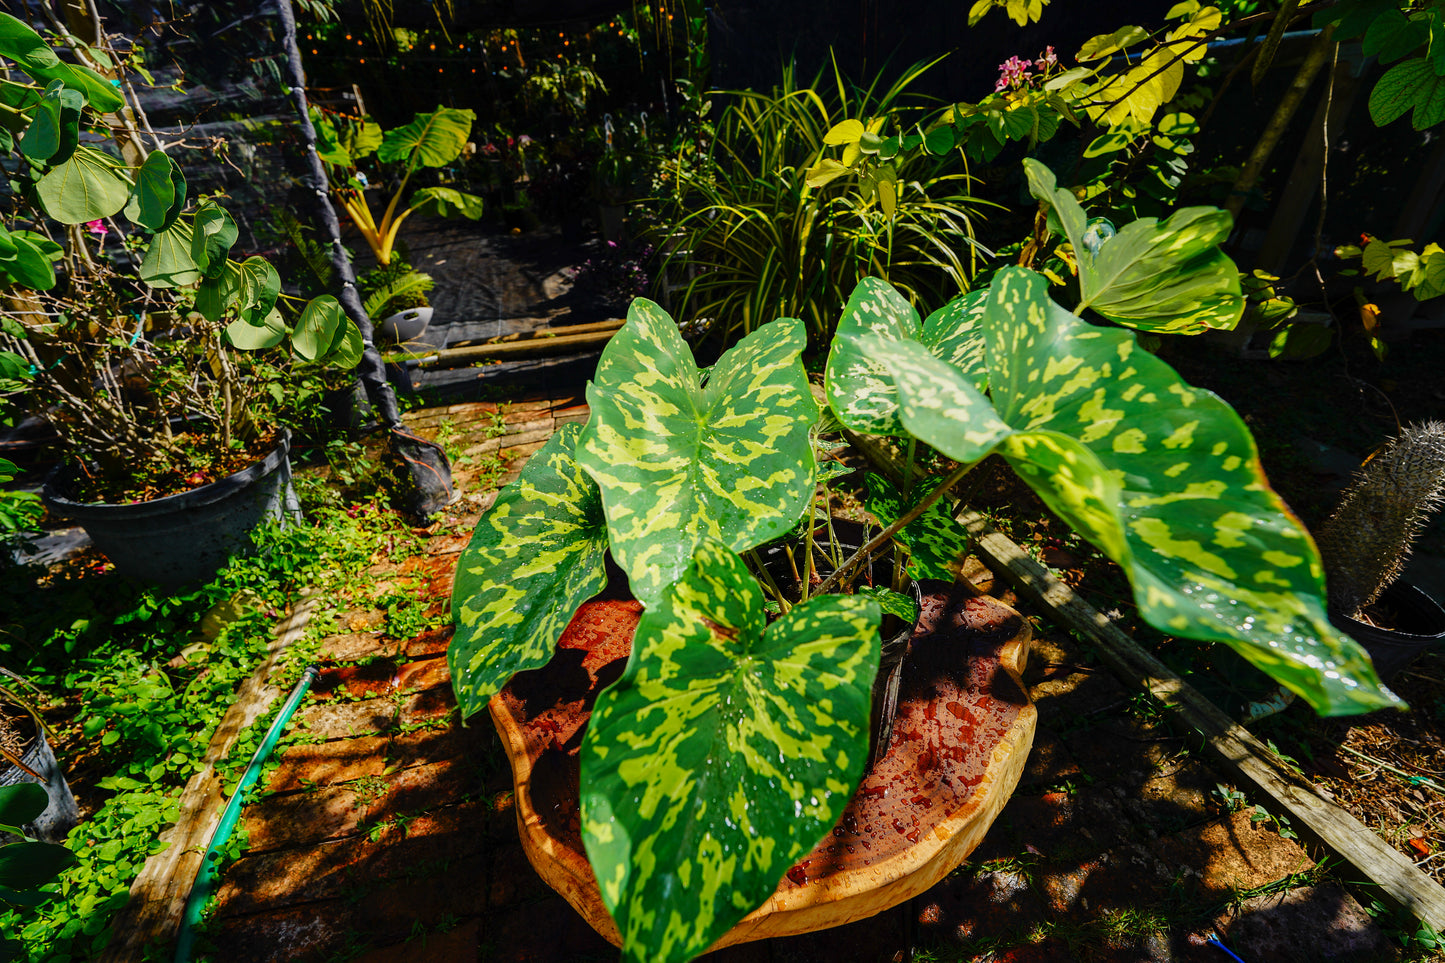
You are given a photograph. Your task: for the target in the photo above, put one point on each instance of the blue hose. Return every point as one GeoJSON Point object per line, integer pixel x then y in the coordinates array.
{"type": "Point", "coordinates": [206, 874]}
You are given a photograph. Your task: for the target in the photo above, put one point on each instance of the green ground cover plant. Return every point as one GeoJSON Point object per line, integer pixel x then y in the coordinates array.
{"type": "Point", "coordinates": [139, 679]}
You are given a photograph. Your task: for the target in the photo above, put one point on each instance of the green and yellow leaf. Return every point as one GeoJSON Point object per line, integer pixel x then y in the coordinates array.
{"type": "Point", "coordinates": [723, 754]}
{"type": "Point", "coordinates": [1162, 477]}
{"type": "Point", "coordinates": [678, 460]}
{"type": "Point", "coordinates": [859, 387]}
{"type": "Point", "coordinates": [534, 557]}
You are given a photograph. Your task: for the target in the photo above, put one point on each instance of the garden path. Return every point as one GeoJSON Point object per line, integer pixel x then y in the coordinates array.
{"type": "Point", "coordinates": [387, 831]}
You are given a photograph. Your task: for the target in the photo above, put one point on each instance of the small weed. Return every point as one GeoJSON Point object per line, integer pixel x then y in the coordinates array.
{"type": "Point", "coordinates": [1232, 799]}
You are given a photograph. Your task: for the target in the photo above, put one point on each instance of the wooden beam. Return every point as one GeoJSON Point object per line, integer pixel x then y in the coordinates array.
{"type": "Point", "coordinates": [530, 348]}
{"type": "Point", "coordinates": [158, 895]}
{"type": "Point", "coordinates": [1241, 753]}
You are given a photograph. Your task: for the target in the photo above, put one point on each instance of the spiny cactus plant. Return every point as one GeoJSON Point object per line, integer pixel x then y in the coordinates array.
{"type": "Point", "coordinates": [1366, 541]}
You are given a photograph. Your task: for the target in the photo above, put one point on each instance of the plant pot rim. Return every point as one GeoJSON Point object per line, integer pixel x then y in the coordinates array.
{"type": "Point", "coordinates": [62, 478]}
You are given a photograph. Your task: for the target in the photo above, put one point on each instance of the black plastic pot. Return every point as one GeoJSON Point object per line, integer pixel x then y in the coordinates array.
{"type": "Point", "coordinates": [60, 817]}
{"type": "Point", "coordinates": [1419, 626]}
{"type": "Point", "coordinates": [182, 537]}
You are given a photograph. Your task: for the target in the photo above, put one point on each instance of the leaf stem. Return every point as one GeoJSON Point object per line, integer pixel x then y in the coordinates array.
{"type": "Point", "coordinates": [882, 537]}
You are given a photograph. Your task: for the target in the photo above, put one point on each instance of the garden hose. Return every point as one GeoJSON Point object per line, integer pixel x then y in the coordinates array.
{"type": "Point", "coordinates": [206, 874]}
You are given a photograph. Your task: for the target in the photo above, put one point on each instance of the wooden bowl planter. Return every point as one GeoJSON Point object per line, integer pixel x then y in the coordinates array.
{"type": "Point", "coordinates": [958, 745]}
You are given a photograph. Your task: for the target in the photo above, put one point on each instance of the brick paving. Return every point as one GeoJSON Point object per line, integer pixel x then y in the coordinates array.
{"type": "Point", "coordinates": [387, 833]}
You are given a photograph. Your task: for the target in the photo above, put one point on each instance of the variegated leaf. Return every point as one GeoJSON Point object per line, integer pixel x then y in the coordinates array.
{"type": "Point", "coordinates": [1168, 277]}
{"type": "Point", "coordinates": [534, 557]}
{"type": "Point", "coordinates": [934, 540]}
{"type": "Point", "coordinates": [1164, 478]}
{"type": "Point", "coordinates": [678, 460]}
{"type": "Point", "coordinates": [723, 754]}
{"type": "Point", "coordinates": [859, 388]}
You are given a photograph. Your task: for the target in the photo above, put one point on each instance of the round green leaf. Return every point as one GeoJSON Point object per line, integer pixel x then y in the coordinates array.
{"type": "Point", "coordinates": [316, 328]}
{"type": "Point", "coordinates": [534, 557]}
{"type": "Point", "coordinates": [155, 192]}
{"type": "Point", "coordinates": [678, 460]}
{"type": "Point", "coordinates": [31, 54]}
{"type": "Point", "coordinates": [723, 754]}
{"type": "Point", "coordinates": [90, 185]}
{"type": "Point", "coordinates": [168, 261]}
{"type": "Point", "coordinates": [268, 333]}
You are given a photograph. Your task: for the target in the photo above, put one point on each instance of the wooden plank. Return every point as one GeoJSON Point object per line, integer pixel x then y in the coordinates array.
{"type": "Point", "coordinates": [1240, 752]}
{"type": "Point", "coordinates": [612, 324]}
{"type": "Point", "coordinates": [158, 895]}
{"type": "Point", "coordinates": [532, 348]}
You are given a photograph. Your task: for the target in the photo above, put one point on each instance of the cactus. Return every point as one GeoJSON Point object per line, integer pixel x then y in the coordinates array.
{"type": "Point", "coordinates": [1366, 541]}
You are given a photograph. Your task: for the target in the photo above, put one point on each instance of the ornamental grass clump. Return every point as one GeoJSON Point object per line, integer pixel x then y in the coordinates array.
{"type": "Point", "coordinates": [738, 730]}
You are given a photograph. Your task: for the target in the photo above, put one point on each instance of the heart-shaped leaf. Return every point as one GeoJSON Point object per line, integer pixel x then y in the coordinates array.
{"type": "Point", "coordinates": [54, 128]}
{"type": "Point", "coordinates": [90, 185]}
{"type": "Point", "coordinates": [723, 754]}
{"type": "Point", "coordinates": [534, 557]}
{"type": "Point", "coordinates": [678, 460]}
{"type": "Point", "coordinates": [1162, 477]}
{"type": "Point", "coordinates": [1159, 277]}
{"type": "Point", "coordinates": [859, 387]}
{"type": "Point", "coordinates": [155, 192]}
{"type": "Point", "coordinates": [430, 140]}
{"type": "Point", "coordinates": [934, 540]}
{"type": "Point", "coordinates": [257, 288]}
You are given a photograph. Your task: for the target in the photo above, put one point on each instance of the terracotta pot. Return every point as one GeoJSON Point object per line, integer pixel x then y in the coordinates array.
{"type": "Point", "coordinates": [958, 744]}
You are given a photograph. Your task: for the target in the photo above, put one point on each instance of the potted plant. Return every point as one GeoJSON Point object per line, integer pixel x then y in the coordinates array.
{"type": "Point", "coordinates": [168, 369]}
{"type": "Point", "coordinates": [430, 141]}
{"type": "Point", "coordinates": [1366, 542]}
{"type": "Point", "coordinates": [394, 295]}
{"type": "Point", "coordinates": [707, 769]}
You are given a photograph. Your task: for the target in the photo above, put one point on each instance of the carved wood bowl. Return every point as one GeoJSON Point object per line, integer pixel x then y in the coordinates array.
{"type": "Point", "coordinates": [962, 733]}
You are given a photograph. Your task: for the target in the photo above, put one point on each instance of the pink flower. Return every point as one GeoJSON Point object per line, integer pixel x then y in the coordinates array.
{"type": "Point", "coordinates": [1048, 59]}
{"type": "Point", "coordinates": [97, 228]}
{"type": "Point", "coordinates": [1012, 73]}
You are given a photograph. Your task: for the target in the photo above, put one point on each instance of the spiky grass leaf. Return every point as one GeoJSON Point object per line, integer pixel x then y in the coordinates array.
{"type": "Point", "coordinates": [678, 460]}
{"type": "Point", "coordinates": [723, 754]}
{"type": "Point", "coordinates": [534, 557]}
{"type": "Point", "coordinates": [859, 387]}
{"type": "Point", "coordinates": [1162, 477]}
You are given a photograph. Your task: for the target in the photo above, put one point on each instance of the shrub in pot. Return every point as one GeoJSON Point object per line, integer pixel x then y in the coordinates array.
{"type": "Point", "coordinates": [680, 475]}
{"type": "Point", "coordinates": [164, 364]}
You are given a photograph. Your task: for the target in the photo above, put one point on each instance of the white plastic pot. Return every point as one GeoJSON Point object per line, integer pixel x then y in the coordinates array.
{"type": "Point", "coordinates": [406, 325]}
